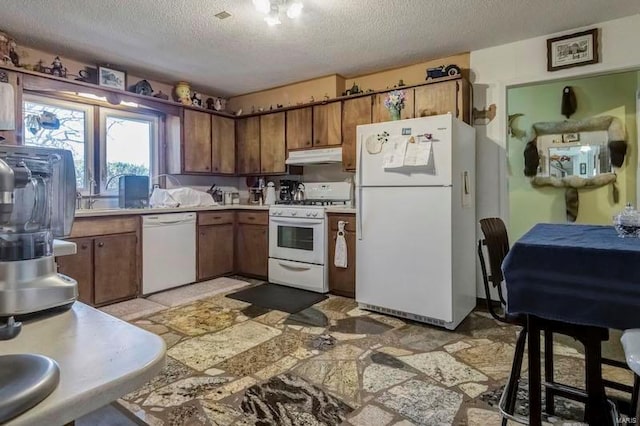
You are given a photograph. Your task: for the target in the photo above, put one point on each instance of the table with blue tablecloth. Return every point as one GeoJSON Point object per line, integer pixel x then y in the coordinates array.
{"type": "Point", "coordinates": [581, 274]}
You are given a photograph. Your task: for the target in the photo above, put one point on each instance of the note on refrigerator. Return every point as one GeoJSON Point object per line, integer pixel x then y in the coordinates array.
{"type": "Point", "coordinates": [395, 152]}
{"type": "Point", "coordinates": [418, 154]}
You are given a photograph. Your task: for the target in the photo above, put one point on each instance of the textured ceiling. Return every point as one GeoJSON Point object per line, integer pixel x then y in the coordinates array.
{"type": "Point", "coordinates": [169, 39]}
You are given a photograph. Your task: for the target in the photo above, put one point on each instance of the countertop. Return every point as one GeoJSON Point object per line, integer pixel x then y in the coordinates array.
{"type": "Point", "coordinates": [122, 212]}
{"type": "Point", "coordinates": [101, 358]}
{"type": "Point", "coordinates": [341, 209]}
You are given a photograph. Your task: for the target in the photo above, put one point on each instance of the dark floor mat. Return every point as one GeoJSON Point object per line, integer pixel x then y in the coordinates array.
{"type": "Point", "coordinates": [278, 297]}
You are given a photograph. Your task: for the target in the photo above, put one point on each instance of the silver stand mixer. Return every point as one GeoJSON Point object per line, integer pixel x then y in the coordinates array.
{"type": "Point", "coordinates": [37, 203]}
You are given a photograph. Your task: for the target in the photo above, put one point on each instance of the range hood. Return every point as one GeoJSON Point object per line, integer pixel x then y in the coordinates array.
{"type": "Point", "coordinates": [315, 156]}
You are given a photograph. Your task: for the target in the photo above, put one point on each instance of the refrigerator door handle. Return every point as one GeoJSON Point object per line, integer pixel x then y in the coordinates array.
{"type": "Point", "coordinates": [359, 195]}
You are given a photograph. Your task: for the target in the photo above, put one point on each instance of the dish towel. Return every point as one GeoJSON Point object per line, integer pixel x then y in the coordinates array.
{"type": "Point", "coordinates": [7, 107]}
{"type": "Point", "coordinates": [340, 255]}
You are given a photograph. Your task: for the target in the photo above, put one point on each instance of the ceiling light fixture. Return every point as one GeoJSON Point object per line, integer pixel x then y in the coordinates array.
{"type": "Point", "coordinates": [275, 8]}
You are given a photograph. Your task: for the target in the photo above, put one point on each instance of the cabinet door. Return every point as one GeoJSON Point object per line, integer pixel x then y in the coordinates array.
{"type": "Point", "coordinates": [381, 113]}
{"type": "Point", "coordinates": [354, 112]}
{"type": "Point", "coordinates": [252, 250]}
{"type": "Point", "coordinates": [436, 99]}
{"type": "Point", "coordinates": [223, 145]}
{"type": "Point", "coordinates": [327, 126]}
{"type": "Point", "coordinates": [248, 145]}
{"type": "Point", "coordinates": [196, 139]}
{"type": "Point", "coordinates": [273, 148]}
{"type": "Point", "coordinates": [116, 268]}
{"type": "Point", "coordinates": [299, 128]}
{"type": "Point", "coordinates": [342, 281]}
{"type": "Point", "coordinates": [215, 250]}
{"type": "Point", "coordinates": [80, 268]}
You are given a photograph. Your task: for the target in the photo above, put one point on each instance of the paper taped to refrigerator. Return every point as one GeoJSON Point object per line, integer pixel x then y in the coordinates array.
{"type": "Point", "coordinates": [418, 154]}
{"type": "Point", "coordinates": [395, 152]}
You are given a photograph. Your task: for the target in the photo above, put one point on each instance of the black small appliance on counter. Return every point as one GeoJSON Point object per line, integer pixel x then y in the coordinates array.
{"type": "Point", "coordinates": [133, 192]}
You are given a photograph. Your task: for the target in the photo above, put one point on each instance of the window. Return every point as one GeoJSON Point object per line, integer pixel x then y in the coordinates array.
{"type": "Point", "coordinates": [127, 148]}
{"type": "Point", "coordinates": [127, 140]}
{"type": "Point", "coordinates": [74, 133]}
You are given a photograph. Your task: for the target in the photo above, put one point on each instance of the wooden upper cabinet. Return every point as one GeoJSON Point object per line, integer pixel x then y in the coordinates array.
{"type": "Point", "coordinates": [223, 145]}
{"type": "Point", "coordinates": [380, 113]}
{"type": "Point", "coordinates": [272, 143]}
{"type": "Point", "coordinates": [248, 145]}
{"type": "Point", "coordinates": [196, 139]}
{"type": "Point", "coordinates": [354, 112]}
{"type": "Point", "coordinates": [327, 126]}
{"type": "Point", "coordinates": [299, 128]}
{"type": "Point", "coordinates": [436, 99]}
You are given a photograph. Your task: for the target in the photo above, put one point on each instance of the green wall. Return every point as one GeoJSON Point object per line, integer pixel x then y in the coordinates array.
{"type": "Point", "coordinates": [613, 94]}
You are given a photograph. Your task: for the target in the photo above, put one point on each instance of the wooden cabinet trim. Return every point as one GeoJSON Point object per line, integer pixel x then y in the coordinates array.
{"type": "Point", "coordinates": [253, 218]}
{"type": "Point", "coordinates": [215, 218]}
{"type": "Point", "coordinates": [90, 227]}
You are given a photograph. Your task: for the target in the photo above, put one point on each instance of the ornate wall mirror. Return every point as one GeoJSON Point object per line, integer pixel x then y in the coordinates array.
{"type": "Point", "coordinates": [576, 154]}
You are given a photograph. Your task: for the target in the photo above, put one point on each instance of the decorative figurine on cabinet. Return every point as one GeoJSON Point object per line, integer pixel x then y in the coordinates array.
{"type": "Point", "coordinates": [443, 71]}
{"type": "Point", "coordinates": [161, 95]}
{"type": "Point", "coordinates": [183, 93]}
{"type": "Point", "coordinates": [196, 99]}
{"type": "Point", "coordinates": [143, 87]}
{"type": "Point", "coordinates": [57, 69]}
{"type": "Point", "coordinates": [209, 103]}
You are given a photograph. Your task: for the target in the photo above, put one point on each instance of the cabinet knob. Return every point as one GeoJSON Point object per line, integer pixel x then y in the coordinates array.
{"type": "Point", "coordinates": [317, 141]}
{"type": "Point", "coordinates": [100, 244]}
{"type": "Point", "coordinates": [308, 143]}
{"type": "Point", "coordinates": [84, 246]}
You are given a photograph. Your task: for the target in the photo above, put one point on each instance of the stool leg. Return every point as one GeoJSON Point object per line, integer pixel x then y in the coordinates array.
{"type": "Point", "coordinates": [634, 396]}
{"type": "Point", "coordinates": [548, 371]}
{"type": "Point", "coordinates": [535, 385]}
{"type": "Point", "coordinates": [597, 408]}
{"type": "Point", "coordinates": [511, 390]}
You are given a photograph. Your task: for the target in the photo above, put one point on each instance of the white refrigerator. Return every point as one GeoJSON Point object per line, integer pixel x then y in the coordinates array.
{"type": "Point", "coordinates": [415, 245]}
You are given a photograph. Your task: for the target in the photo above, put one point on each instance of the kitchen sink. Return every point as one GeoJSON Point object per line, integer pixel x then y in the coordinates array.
{"type": "Point", "coordinates": [25, 380]}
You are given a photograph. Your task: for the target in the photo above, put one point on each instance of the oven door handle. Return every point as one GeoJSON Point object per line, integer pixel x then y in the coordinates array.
{"type": "Point", "coordinates": [295, 222]}
{"type": "Point", "coordinates": [293, 266]}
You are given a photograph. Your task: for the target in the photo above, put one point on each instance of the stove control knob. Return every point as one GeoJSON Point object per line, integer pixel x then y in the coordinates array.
{"type": "Point", "coordinates": [308, 214]}
{"type": "Point", "coordinates": [294, 213]}
{"type": "Point", "coordinates": [315, 214]}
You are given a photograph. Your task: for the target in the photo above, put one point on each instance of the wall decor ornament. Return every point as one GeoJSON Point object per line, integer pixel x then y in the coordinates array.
{"type": "Point", "coordinates": [572, 50]}
{"type": "Point", "coordinates": [615, 148]}
{"type": "Point", "coordinates": [112, 77]}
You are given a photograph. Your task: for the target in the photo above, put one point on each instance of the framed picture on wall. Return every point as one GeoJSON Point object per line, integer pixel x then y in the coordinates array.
{"type": "Point", "coordinates": [110, 77]}
{"type": "Point", "coordinates": [572, 50]}
{"type": "Point", "coordinates": [570, 137]}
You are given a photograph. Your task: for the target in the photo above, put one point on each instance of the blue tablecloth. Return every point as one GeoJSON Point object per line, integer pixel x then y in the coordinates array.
{"type": "Point", "coordinates": [580, 274]}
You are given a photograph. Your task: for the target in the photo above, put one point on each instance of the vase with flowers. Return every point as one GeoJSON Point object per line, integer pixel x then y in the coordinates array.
{"type": "Point", "coordinates": [394, 102]}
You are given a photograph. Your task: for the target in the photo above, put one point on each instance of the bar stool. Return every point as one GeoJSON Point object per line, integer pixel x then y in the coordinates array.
{"type": "Point", "coordinates": [496, 241]}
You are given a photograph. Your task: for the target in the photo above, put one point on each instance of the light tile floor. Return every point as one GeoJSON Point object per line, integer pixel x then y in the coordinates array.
{"type": "Point", "coordinates": [333, 364]}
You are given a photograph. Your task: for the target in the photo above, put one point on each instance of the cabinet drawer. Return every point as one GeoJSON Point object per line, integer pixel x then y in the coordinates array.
{"type": "Point", "coordinates": [349, 218]}
{"type": "Point", "coordinates": [215, 218]}
{"type": "Point", "coordinates": [86, 227]}
{"type": "Point", "coordinates": [253, 218]}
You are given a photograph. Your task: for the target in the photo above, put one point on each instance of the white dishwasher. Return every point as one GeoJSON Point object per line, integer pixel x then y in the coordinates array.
{"type": "Point", "coordinates": [168, 251]}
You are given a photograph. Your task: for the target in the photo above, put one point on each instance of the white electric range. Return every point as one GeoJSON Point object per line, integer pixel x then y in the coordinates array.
{"type": "Point", "coordinates": [298, 237]}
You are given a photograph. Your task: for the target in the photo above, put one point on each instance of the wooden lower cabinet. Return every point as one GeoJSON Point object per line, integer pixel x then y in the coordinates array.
{"type": "Point", "coordinates": [215, 250]}
{"type": "Point", "coordinates": [80, 268]}
{"type": "Point", "coordinates": [252, 250]}
{"type": "Point", "coordinates": [105, 267]}
{"type": "Point", "coordinates": [115, 268]}
{"type": "Point", "coordinates": [342, 281]}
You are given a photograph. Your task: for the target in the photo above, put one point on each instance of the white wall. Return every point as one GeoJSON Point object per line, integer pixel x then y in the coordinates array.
{"type": "Point", "coordinates": [496, 68]}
